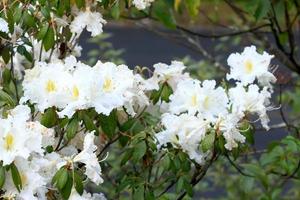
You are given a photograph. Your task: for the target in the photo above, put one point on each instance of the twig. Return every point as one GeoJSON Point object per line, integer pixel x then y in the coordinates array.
{"type": "Point", "coordinates": [236, 167]}
{"type": "Point", "coordinates": [221, 35]}
{"type": "Point", "coordinates": [108, 144]}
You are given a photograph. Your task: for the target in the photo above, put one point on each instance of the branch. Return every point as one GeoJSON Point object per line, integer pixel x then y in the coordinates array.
{"type": "Point", "coordinates": [108, 144]}
{"type": "Point", "coordinates": [237, 168]}
{"type": "Point", "coordinates": [200, 174]}
{"type": "Point", "coordinates": [221, 35]}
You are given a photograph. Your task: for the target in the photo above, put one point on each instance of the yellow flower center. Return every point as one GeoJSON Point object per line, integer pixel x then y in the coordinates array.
{"type": "Point", "coordinates": [50, 86]}
{"type": "Point", "coordinates": [108, 85]}
{"type": "Point", "coordinates": [194, 100]}
{"type": "Point", "coordinates": [75, 92]}
{"type": "Point", "coordinates": [248, 66]}
{"type": "Point", "coordinates": [9, 141]}
{"type": "Point", "coordinates": [24, 179]}
{"type": "Point", "coordinates": [206, 102]}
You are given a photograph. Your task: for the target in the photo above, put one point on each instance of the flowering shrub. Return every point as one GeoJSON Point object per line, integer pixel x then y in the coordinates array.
{"type": "Point", "coordinates": [59, 115]}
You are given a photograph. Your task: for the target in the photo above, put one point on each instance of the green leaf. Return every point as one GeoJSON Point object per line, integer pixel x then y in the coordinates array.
{"type": "Point", "coordinates": [208, 142]}
{"type": "Point", "coordinates": [126, 156]}
{"type": "Point", "coordinates": [138, 193]}
{"type": "Point", "coordinates": [89, 124]}
{"type": "Point", "coordinates": [62, 179]}
{"type": "Point", "coordinates": [16, 176]}
{"type": "Point", "coordinates": [23, 51]}
{"type": "Point", "coordinates": [49, 118]}
{"type": "Point", "coordinates": [220, 145]}
{"type": "Point", "coordinates": [57, 175]}
{"type": "Point", "coordinates": [166, 92]}
{"type": "Point", "coordinates": [2, 176]}
{"type": "Point", "coordinates": [49, 40]}
{"type": "Point", "coordinates": [42, 32]}
{"type": "Point", "coordinates": [28, 19]}
{"type": "Point", "coordinates": [179, 184]}
{"type": "Point", "coordinates": [7, 99]}
{"type": "Point", "coordinates": [5, 52]}
{"type": "Point", "coordinates": [80, 3]}
{"type": "Point", "coordinates": [78, 183]}
{"type": "Point", "coordinates": [115, 10]}
{"type": "Point", "coordinates": [139, 151]}
{"type": "Point", "coordinates": [127, 125]}
{"type": "Point", "coordinates": [66, 191]}
{"type": "Point", "coordinates": [46, 13]}
{"type": "Point", "coordinates": [72, 128]}
{"type": "Point", "coordinates": [248, 131]}
{"type": "Point", "coordinates": [18, 14]}
{"type": "Point", "coordinates": [193, 7]}
{"type": "Point", "coordinates": [108, 123]}
{"type": "Point", "coordinates": [263, 7]}
{"type": "Point", "coordinates": [164, 13]}
{"type": "Point", "coordinates": [10, 20]}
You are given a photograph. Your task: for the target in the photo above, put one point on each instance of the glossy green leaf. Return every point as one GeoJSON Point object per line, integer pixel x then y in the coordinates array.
{"type": "Point", "coordinates": [78, 183]}
{"type": "Point", "coordinates": [108, 123]}
{"type": "Point", "coordinates": [89, 124]}
{"type": "Point", "coordinates": [2, 176]}
{"type": "Point", "coordinates": [72, 128]}
{"type": "Point", "coordinates": [49, 118]}
{"type": "Point", "coordinates": [66, 191]}
{"type": "Point", "coordinates": [139, 151]}
{"type": "Point", "coordinates": [62, 179]}
{"type": "Point", "coordinates": [7, 98]}
{"type": "Point", "coordinates": [16, 177]}
{"type": "Point", "coordinates": [208, 142]}
{"type": "Point", "coordinates": [49, 40]}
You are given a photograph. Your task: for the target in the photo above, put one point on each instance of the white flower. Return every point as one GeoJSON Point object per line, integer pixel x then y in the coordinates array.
{"type": "Point", "coordinates": [46, 85]}
{"type": "Point", "coordinates": [46, 165]}
{"type": "Point", "coordinates": [207, 100]}
{"type": "Point", "coordinates": [142, 4]}
{"type": "Point", "coordinates": [3, 26]}
{"type": "Point", "coordinates": [79, 88]}
{"type": "Point", "coordinates": [136, 97]}
{"type": "Point", "coordinates": [42, 135]}
{"type": "Point", "coordinates": [31, 181]}
{"type": "Point", "coordinates": [92, 21]}
{"type": "Point", "coordinates": [228, 125]}
{"type": "Point", "coordinates": [172, 74]}
{"type": "Point", "coordinates": [250, 65]}
{"type": "Point", "coordinates": [89, 158]}
{"type": "Point", "coordinates": [184, 132]}
{"type": "Point", "coordinates": [110, 84]}
{"type": "Point", "coordinates": [187, 97]}
{"type": "Point", "coordinates": [251, 100]}
{"type": "Point", "coordinates": [213, 100]}
{"type": "Point", "coordinates": [16, 138]}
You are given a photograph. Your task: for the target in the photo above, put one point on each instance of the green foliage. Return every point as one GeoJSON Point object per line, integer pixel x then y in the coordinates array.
{"type": "Point", "coordinates": [135, 168]}
{"type": "Point", "coordinates": [2, 176]}
{"type": "Point", "coordinates": [16, 177]}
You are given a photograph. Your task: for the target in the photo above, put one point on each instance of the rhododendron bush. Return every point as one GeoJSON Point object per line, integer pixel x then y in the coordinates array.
{"type": "Point", "coordinates": [69, 130]}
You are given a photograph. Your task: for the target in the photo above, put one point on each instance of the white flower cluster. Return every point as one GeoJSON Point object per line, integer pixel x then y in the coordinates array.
{"type": "Point", "coordinates": [195, 108]}
{"type": "Point", "coordinates": [72, 85]}
{"type": "Point", "coordinates": [23, 143]}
